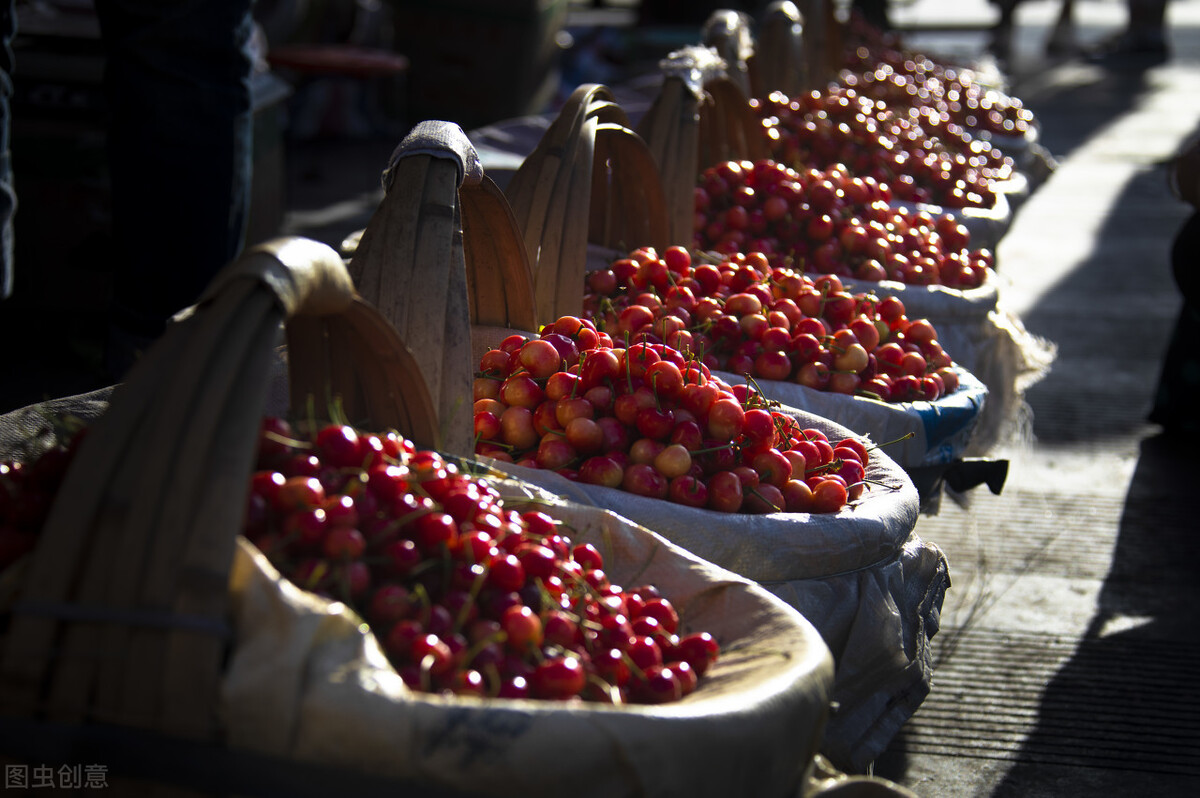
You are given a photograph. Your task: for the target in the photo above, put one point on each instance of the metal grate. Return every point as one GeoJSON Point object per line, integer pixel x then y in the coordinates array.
{"type": "Point", "coordinates": [1116, 702]}
{"type": "Point", "coordinates": [1024, 532]}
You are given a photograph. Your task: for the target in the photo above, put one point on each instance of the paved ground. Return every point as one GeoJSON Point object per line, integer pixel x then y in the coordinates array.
{"type": "Point", "coordinates": [1066, 659]}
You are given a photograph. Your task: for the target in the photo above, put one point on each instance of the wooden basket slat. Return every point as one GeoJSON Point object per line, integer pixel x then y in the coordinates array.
{"type": "Point", "coordinates": [657, 126]}
{"type": "Point", "coordinates": [126, 679]}
{"type": "Point", "coordinates": [671, 129]}
{"type": "Point", "coordinates": [530, 195]}
{"type": "Point", "coordinates": [184, 572]}
{"type": "Point", "coordinates": [498, 274]}
{"type": "Point", "coordinates": [324, 351]}
{"type": "Point", "coordinates": [608, 112]}
{"type": "Point", "coordinates": [98, 503]}
{"type": "Point", "coordinates": [779, 62]}
{"type": "Point", "coordinates": [309, 377]}
{"type": "Point", "coordinates": [561, 173]}
{"type": "Point", "coordinates": [408, 266]}
{"type": "Point", "coordinates": [446, 331]}
{"type": "Point", "coordinates": [191, 661]}
{"type": "Point", "coordinates": [745, 126]}
{"type": "Point", "coordinates": [81, 646]}
{"type": "Point", "coordinates": [558, 278]}
{"type": "Point", "coordinates": [711, 141]}
{"type": "Point", "coordinates": [392, 396]}
{"type": "Point", "coordinates": [683, 229]}
{"type": "Point", "coordinates": [729, 128]}
{"type": "Point", "coordinates": [535, 193]}
{"type": "Point", "coordinates": [526, 190]}
{"type": "Point", "coordinates": [383, 267]}
{"type": "Point", "coordinates": [355, 385]}
{"type": "Point", "coordinates": [633, 211]}
{"type": "Point", "coordinates": [160, 485]}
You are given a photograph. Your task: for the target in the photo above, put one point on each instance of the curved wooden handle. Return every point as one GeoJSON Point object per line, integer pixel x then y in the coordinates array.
{"type": "Point", "coordinates": [411, 266]}
{"type": "Point", "coordinates": [591, 179]}
{"type": "Point", "coordinates": [133, 562]}
{"type": "Point", "coordinates": [779, 62]}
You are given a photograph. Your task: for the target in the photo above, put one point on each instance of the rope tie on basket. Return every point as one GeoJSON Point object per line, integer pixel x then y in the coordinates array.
{"type": "Point", "coordinates": [694, 66]}
{"type": "Point", "coordinates": [439, 140]}
{"type": "Point", "coordinates": [155, 619]}
{"type": "Point", "coordinates": [307, 276]}
{"type": "Point", "coordinates": [730, 29]}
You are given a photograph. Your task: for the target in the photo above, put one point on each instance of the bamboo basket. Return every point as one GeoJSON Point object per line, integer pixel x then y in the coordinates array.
{"type": "Point", "coordinates": [700, 117]}
{"type": "Point", "coordinates": [589, 164]}
{"type": "Point", "coordinates": [824, 40]}
{"type": "Point", "coordinates": [121, 623]}
{"type": "Point", "coordinates": [729, 33]}
{"type": "Point", "coordinates": [147, 633]}
{"type": "Point", "coordinates": [779, 61]}
{"type": "Point", "coordinates": [441, 254]}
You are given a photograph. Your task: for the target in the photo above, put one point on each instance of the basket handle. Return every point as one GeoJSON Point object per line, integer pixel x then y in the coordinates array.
{"type": "Point", "coordinates": [591, 179]}
{"type": "Point", "coordinates": [779, 62]}
{"type": "Point", "coordinates": [122, 618]}
{"type": "Point", "coordinates": [411, 265]}
{"type": "Point", "coordinates": [729, 33]}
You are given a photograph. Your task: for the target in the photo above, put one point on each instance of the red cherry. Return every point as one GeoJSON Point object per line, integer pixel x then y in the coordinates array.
{"type": "Point", "coordinates": [558, 678]}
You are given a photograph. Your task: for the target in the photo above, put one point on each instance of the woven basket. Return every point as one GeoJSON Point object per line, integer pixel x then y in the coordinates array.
{"type": "Point", "coordinates": [120, 623]}
{"type": "Point", "coordinates": [699, 118]}
{"type": "Point", "coordinates": [147, 634]}
{"type": "Point", "coordinates": [823, 40]}
{"type": "Point", "coordinates": [440, 254]}
{"type": "Point", "coordinates": [730, 34]}
{"type": "Point", "coordinates": [590, 165]}
{"type": "Point", "coordinates": [780, 58]}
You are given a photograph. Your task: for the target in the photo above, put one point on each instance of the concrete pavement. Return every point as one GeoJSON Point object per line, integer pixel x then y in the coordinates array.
{"type": "Point", "coordinates": [1066, 657]}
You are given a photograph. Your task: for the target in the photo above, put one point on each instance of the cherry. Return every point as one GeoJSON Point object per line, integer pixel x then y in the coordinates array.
{"type": "Point", "coordinates": [558, 678]}
{"type": "Point", "coordinates": [699, 649]}
{"type": "Point", "coordinates": [659, 685]}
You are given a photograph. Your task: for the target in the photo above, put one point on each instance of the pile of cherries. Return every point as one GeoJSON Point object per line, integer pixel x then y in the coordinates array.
{"type": "Point", "coordinates": [742, 315]}
{"type": "Point", "coordinates": [906, 79]}
{"type": "Point", "coordinates": [832, 222]}
{"type": "Point", "coordinates": [466, 596]}
{"type": "Point", "coordinates": [920, 156]}
{"type": "Point", "coordinates": [645, 418]}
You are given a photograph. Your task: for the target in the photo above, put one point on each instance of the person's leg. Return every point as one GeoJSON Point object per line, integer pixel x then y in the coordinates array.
{"type": "Point", "coordinates": [1062, 35]}
{"type": "Point", "coordinates": [1000, 44]}
{"type": "Point", "coordinates": [180, 135]}
{"type": "Point", "coordinates": [8, 196]}
{"type": "Point", "coordinates": [1146, 30]}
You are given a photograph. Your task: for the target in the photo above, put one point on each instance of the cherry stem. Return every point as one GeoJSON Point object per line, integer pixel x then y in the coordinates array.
{"type": "Point", "coordinates": [769, 503]}
{"type": "Point", "coordinates": [611, 690]}
{"type": "Point", "coordinates": [482, 643]}
{"type": "Point", "coordinates": [880, 484]}
{"type": "Point", "coordinates": [721, 448]}
{"type": "Point", "coordinates": [426, 671]}
{"type": "Point", "coordinates": [286, 441]}
{"type": "Point", "coordinates": [628, 369]}
{"type": "Point", "coordinates": [465, 609]}
{"type": "Point", "coordinates": [901, 439]}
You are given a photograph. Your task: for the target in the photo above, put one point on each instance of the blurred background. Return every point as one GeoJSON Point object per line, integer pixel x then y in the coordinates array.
{"type": "Point", "coordinates": [338, 84]}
